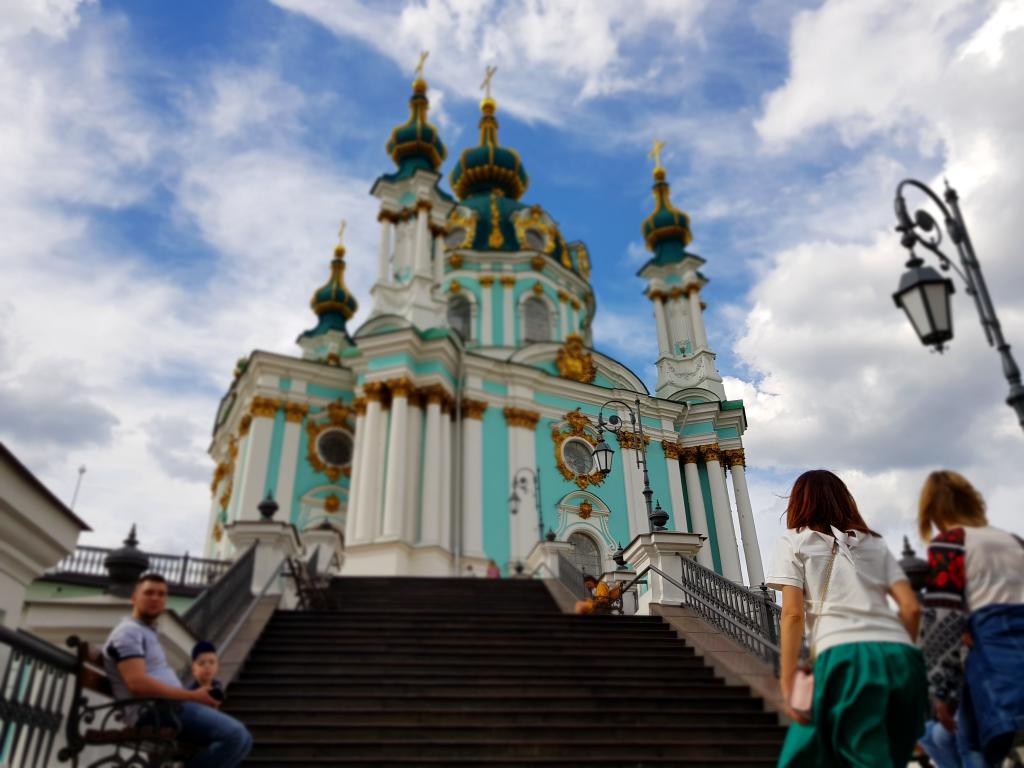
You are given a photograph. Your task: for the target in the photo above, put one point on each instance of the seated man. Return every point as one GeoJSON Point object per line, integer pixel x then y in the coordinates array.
{"type": "Point", "coordinates": [137, 667]}
{"type": "Point", "coordinates": [603, 596]}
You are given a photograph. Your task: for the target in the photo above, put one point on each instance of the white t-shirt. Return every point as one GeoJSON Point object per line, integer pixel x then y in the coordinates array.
{"type": "Point", "coordinates": [856, 608]}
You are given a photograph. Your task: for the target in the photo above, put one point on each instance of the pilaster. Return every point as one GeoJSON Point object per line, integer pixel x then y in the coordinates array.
{"type": "Point", "coordinates": [397, 468]}
{"type": "Point", "coordinates": [257, 455]}
{"type": "Point", "coordinates": [472, 478]}
{"type": "Point", "coordinates": [698, 514]}
{"type": "Point", "coordinates": [727, 550]}
{"type": "Point", "coordinates": [736, 460]}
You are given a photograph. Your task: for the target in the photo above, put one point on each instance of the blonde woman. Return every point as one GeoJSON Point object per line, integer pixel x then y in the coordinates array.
{"type": "Point", "coordinates": [975, 604]}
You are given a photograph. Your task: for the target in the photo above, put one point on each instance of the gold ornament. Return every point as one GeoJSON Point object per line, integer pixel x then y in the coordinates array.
{"type": "Point", "coordinates": [243, 425]}
{"type": "Point", "coordinates": [218, 532]}
{"type": "Point", "coordinates": [585, 510]}
{"type": "Point", "coordinates": [535, 218]}
{"type": "Point", "coordinates": [574, 362]}
{"type": "Point", "coordinates": [454, 286]}
{"type": "Point", "coordinates": [486, 281]}
{"type": "Point", "coordinates": [631, 441]}
{"type": "Point", "coordinates": [461, 218]}
{"type": "Point", "coordinates": [672, 450]}
{"type": "Point", "coordinates": [508, 280]}
{"type": "Point", "coordinates": [519, 417]}
{"type": "Point", "coordinates": [295, 412]}
{"type": "Point", "coordinates": [689, 455]}
{"type": "Point", "coordinates": [579, 427]}
{"type": "Point", "coordinates": [709, 452]}
{"type": "Point", "coordinates": [473, 409]}
{"type": "Point", "coordinates": [496, 239]}
{"type": "Point", "coordinates": [538, 289]}
{"type": "Point", "coordinates": [537, 263]}
{"type": "Point", "coordinates": [338, 416]}
{"type": "Point", "coordinates": [264, 407]}
{"type": "Point", "coordinates": [373, 391]}
{"type": "Point", "coordinates": [455, 261]}
{"type": "Point", "coordinates": [734, 458]}
{"type": "Point", "coordinates": [332, 503]}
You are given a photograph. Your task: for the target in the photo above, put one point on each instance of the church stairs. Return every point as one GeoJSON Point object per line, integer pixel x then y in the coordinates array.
{"type": "Point", "coordinates": [437, 672]}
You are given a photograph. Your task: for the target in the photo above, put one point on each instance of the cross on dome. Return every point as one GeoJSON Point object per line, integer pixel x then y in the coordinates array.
{"type": "Point", "coordinates": [341, 233]}
{"type": "Point", "coordinates": [423, 59]}
{"type": "Point", "coordinates": [655, 153]}
{"type": "Point", "coordinates": [485, 86]}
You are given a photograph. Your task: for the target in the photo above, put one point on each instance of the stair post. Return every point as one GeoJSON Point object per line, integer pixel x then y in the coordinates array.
{"type": "Point", "coordinates": [660, 549]}
{"type": "Point", "coordinates": [274, 542]}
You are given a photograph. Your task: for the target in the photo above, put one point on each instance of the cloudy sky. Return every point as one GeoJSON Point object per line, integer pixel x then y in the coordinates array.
{"type": "Point", "coordinates": [173, 175]}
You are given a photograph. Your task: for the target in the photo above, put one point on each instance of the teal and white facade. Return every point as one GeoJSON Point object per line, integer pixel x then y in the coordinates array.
{"type": "Point", "coordinates": [476, 360]}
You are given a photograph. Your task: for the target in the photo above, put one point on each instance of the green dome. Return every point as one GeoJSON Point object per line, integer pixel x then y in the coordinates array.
{"type": "Point", "coordinates": [489, 166]}
{"type": "Point", "coordinates": [416, 143]}
{"type": "Point", "coordinates": [667, 229]}
{"type": "Point", "coordinates": [332, 302]}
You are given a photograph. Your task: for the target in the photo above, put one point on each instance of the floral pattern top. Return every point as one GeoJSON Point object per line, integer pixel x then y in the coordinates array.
{"type": "Point", "coordinates": [945, 615]}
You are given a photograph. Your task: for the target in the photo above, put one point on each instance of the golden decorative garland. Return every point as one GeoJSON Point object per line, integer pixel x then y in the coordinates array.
{"type": "Point", "coordinates": [535, 218]}
{"type": "Point", "coordinates": [465, 218]}
{"type": "Point", "coordinates": [338, 416]}
{"type": "Point", "coordinates": [574, 362]}
{"type": "Point", "coordinates": [577, 428]}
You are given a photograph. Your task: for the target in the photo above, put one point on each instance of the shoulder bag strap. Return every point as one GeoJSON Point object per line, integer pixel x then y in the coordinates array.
{"type": "Point", "coordinates": [821, 600]}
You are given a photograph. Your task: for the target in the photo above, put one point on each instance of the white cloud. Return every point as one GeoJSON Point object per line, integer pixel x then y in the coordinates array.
{"type": "Point", "coordinates": [549, 54]}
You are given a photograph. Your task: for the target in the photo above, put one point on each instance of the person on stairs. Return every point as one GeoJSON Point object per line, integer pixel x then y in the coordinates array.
{"type": "Point", "coordinates": [136, 664]}
{"type": "Point", "coordinates": [862, 702]}
{"type": "Point", "coordinates": [603, 596]}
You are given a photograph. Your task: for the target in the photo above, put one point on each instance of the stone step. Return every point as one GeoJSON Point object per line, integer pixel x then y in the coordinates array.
{"type": "Point", "coordinates": [531, 658]}
{"type": "Point", "coordinates": [627, 746]}
{"type": "Point", "coordinates": [594, 761]}
{"type": "Point", "coordinates": [326, 689]}
{"type": "Point", "coordinates": [580, 732]}
{"type": "Point", "coordinates": [257, 713]}
{"type": "Point", "coordinates": [482, 644]}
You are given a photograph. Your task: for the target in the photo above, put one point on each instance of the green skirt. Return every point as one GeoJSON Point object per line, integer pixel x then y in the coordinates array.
{"type": "Point", "coordinates": [870, 703]}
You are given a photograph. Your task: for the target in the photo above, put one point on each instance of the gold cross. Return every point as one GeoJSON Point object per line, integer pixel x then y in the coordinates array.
{"type": "Point", "coordinates": [341, 232]}
{"type": "Point", "coordinates": [419, 67]}
{"type": "Point", "coordinates": [485, 86]}
{"type": "Point", "coordinates": [656, 153]}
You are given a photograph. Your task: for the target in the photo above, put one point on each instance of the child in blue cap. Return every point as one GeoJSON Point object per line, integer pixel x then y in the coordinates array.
{"type": "Point", "coordinates": [205, 666]}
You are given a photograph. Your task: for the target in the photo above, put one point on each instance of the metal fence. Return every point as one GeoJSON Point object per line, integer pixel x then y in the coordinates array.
{"type": "Point", "coordinates": [212, 614]}
{"type": "Point", "coordinates": [33, 698]}
{"type": "Point", "coordinates": [180, 570]}
{"type": "Point", "coordinates": [748, 616]}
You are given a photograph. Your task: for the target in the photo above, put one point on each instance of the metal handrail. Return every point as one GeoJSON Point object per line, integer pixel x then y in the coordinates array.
{"type": "Point", "coordinates": [759, 639]}
{"type": "Point", "coordinates": [572, 577]}
{"type": "Point", "coordinates": [211, 613]}
{"type": "Point", "coordinates": [226, 643]}
{"type": "Point", "coordinates": [33, 698]}
{"type": "Point", "coordinates": [183, 570]}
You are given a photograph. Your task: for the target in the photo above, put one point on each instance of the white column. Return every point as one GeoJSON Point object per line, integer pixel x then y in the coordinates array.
{"type": "Point", "coordinates": [522, 453]}
{"type": "Point", "coordinates": [435, 463]}
{"type": "Point", "coordinates": [256, 456]}
{"type": "Point", "coordinates": [698, 517]}
{"type": "Point", "coordinates": [700, 337]}
{"type": "Point", "coordinates": [358, 460]}
{"type": "Point", "coordinates": [448, 462]}
{"type": "Point", "coordinates": [660, 324]}
{"type": "Point", "coordinates": [487, 314]}
{"type": "Point", "coordinates": [472, 479]}
{"type": "Point", "coordinates": [369, 466]}
{"type": "Point", "coordinates": [289, 459]}
{"type": "Point", "coordinates": [421, 257]}
{"type": "Point", "coordinates": [397, 469]}
{"type": "Point", "coordinates": [751, 549]}
{"type": "Point", "coordinates": [675, 486]}
{"type": "Point", "coordinates": [508, 311]}
{"type": "Point", "coordinates": [675, 312]}
{"type": "Point", "coordinates": [413, 495]}
{"type": "Point", "coordinates": [563, 316]}
{"type": "Point", "coordinates": [438, 246]}
{"type": "Point", "coordinates": [728, 553]}
{"type": "Point", "coordinates": [384, 258]}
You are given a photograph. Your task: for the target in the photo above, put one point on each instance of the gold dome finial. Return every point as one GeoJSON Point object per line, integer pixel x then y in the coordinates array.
{"type": "Point", "coordinates": [485, 86]}
{"type": "Point", "coordinates": [655, 153]}
{"type": "Point", "coordinates": [339, 249]}
{"type": "Point", "coordinates": [419, 85]}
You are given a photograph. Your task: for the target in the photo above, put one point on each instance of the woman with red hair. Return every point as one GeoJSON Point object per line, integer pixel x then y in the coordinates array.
{"type": "Point", "coordinates": [870, 692]}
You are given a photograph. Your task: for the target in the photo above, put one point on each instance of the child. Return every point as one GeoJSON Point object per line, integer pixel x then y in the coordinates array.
{"type": "Point", "coordinates": [205, 666]}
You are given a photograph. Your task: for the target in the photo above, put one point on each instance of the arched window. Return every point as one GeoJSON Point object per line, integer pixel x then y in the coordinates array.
{"type": "Point", "coordinates": [585, 554]}
{"type": "Point", "coordinates": [536, 320]}
{"type": "Point", "coordinates": [460, 315]}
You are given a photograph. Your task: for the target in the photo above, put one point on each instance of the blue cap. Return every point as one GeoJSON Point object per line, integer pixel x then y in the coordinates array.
{"type": "Point", "coordinates": [203, 646]}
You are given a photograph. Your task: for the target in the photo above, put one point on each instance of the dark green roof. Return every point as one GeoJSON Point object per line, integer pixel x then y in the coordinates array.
{"type": "Point", "coordinates": [489, 166]}
{"type": "Point", "coordinates": [416, 143]}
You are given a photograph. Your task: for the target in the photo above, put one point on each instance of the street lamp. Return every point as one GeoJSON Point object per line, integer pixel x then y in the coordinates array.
{"type": "Point", "coordinates": [521, 482]}
{"type": "Point", "coordinates": [924, 294]}
{"type": "Point", "coordinates": [656, 517]}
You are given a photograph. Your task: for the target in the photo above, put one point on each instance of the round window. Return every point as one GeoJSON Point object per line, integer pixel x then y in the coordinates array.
{"type": "Point", "coordinates": [536, 239]}
{"type": "Point", "coordinates": [335, 447]}
{"type": "Point", "coordinates": [578, 456]}
{"type": "Point", "coordinates": [455, 237]}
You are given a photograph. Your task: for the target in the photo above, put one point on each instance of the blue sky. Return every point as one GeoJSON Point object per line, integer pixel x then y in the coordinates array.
{"type": "Point", "coordinates": [176, 172]}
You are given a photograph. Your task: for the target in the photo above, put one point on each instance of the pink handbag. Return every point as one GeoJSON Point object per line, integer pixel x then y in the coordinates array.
{"type": "Point", "coordinates": [801, 695]}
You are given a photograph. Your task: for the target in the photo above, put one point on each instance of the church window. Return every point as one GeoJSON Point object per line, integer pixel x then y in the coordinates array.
{"type": "Point", "coordinates": [536, 320]}
{"type": "Point", "coordinates": [456, 237]}
{"type": "Point", "coordinates": [459, 315]}
{"type": "Point", "coordinates": [535, 239]}
{"type": "Point", "coordinates": [585, 554]}
{"type": "Point", "coordinates": [335, 447]}
{"type": "Point", "coordinates": [578, 456]}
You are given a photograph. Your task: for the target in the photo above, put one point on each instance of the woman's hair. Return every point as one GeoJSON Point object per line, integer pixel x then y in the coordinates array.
{"type": "Point", "coordinates": [947, 500]}
{"type": "Point", "coordinates": [820, 499]}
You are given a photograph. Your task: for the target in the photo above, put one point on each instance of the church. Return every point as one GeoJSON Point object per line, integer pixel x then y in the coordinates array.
{"type": "Point", "coordinates": [458, 424]}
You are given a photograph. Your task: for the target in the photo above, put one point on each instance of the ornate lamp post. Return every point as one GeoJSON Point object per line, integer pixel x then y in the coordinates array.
{"type": "Point", "coordinates": [656, 517]}
{"type": "Point", "coordinates": [924, 294]}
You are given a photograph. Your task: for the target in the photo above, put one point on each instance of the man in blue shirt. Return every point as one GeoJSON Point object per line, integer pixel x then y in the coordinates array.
{"type": "Point", "coordinates": [137, 667]}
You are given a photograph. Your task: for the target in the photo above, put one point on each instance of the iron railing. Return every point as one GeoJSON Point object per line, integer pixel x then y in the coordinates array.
{"type": "Point", "coordinates": [748, 616]}
{"type": "Point", "coordinates": [213, 613]}
{"type": "Point", "coordinates": [571, 578]}
{"type": "Point", "coordinates": [182, 570]}
{"type": "Point", "coordinates": [33, 698]}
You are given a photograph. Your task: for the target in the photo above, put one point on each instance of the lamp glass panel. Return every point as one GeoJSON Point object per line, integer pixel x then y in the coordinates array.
{"type": "Point", "coordinates": [937, 296]}
{"type": "Point", "coordinates": [912, 301]}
